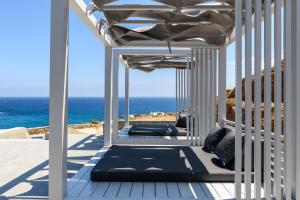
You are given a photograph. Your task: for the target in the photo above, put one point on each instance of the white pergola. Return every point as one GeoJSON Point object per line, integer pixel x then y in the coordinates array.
{"type": "Point", "coordinates": [197, 87]}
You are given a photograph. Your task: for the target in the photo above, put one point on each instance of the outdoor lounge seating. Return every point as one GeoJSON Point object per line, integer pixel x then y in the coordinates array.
{"type": "Point", "coordinates": [180, 129]}
{"type": "Point", "coordinates": [157, 130]}
{"type": "Point", "coordinates": [160, 163]}
{"type": "Point", "coordinates": [193, 37]}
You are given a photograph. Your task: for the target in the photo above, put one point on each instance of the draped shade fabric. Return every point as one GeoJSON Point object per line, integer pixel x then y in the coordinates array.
{"type": "Point", "coordinates": [212, 27]}
{"type": "Point", "coordinates": [180, 22]}
{"type": "Point", "coordinates": [150, 63]}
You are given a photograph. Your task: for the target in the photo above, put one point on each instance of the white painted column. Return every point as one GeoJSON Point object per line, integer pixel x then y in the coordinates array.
{"type": "Point", "coordinates": [267, 100]}
{"type": "Point", "coordinates": [288, 102]}
{"type": "Point", "coordinates": [222, 86]}
{"type": "Point", "coordinates": [126, 96]}
{"type": "Point", "coordinates": [107, 99]}
{"type": "Point", "coordinates": [257, 100]}
{"type": "Point", "coordinates": [176, 91]}
{"type": "Point", "coordinates": [58, 102]}
{"type": "Point", "coordinates": [115, 98]}
{"type": "Point", "coordinates": [277, 100]}
{"type": "Point", "coordinates": [238, 99]}
{"type": "Point", "coordinates": [214, 87]}
{"type": "Point", "coordinates": [194, 137]}
{"type": "Point", "coordinates": [211, 85]}
{"type": "Point", "coordinates": [297, 52]}
{"type": "Point", "coordinates": [248, 99]}
{"type": "Point", "coordinates": [201, 96]}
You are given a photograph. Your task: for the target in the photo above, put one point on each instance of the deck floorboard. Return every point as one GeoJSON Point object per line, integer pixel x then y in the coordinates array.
{"type": "Point", "coordinates": [81, 187]}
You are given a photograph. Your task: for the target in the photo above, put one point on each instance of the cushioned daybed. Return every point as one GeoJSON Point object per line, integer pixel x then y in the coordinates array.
{"type": "Point", "coordinates": [157, 130]}
{"type": "Point", "coordinates": [180, 129]}
{"type": "Point", "coordinates": [160, 163]}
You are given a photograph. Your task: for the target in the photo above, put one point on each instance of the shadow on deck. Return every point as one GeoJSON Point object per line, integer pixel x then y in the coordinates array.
{"type": "Point", "coordinates": [33, 184]}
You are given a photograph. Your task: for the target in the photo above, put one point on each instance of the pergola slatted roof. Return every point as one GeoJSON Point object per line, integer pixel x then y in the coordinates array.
{"type": "Point", "coordinates": [201, 21]}
{"type": "Point", "coordinates": [149, 63]}
{"type": "Point", "coordinates": [162, 23]}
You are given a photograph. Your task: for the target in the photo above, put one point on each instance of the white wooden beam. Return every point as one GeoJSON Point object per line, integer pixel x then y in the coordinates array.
{"type": "Point", "coordinates": [196, 97]}
{"type": "Point", "coordinates": [115, 97]}
{"type": "Point", "coordinates": [206, 76]}
{"type": "Point", "coordinates": [222, 86]}
{"type": "Point", "coordinates": [150, 21]}
{"type": "Point", "coordinates": [201, 96]}
{"type": "Point", "coordinates": [166, 8]}
{"type": "Point", "coordinates": [277, 99]}
{"type": "Point", "coordinates": [238, 99]}
{"type": "Point", "coordinates": [288, 96]}
{"type": "Point", "coordinates": [152, 51]}
{"type": "Point", "coordinates": [297, 41]}
{"type": "Point", "coordinates": [257, 100]}
{"type": "Point", "coordinates": [126, 96]}
{"type": "Point", "coordinates": [58, 99]}
{"type": "Point", "coordinates": [160, 44]}
{"type": "Point", "coordinates": [214, 87]}
{"type": "Point", "coordinates": [248, 100]}
{"type": "Point", "coordinates": [108, 94]}
{"type": "Point", "coordinates": [267, 100]}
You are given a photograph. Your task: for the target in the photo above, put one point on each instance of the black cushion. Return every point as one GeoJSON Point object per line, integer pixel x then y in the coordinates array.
{"type": "Point", "coordinates": [225, 150]}
{"type": "Point", "coordinates": [181, 121]}
{"type": "Point", "coordinates": [156, 130]}
{"type": "Point", "coordinates": [213, 138]}
{"type": "Point", "coordinates": [159, 163]}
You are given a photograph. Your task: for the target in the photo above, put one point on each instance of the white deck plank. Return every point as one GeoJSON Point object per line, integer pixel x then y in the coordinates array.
{"type": "Point", "coordinates": [112, 190]}
{"type": "Point", "coordinates": [101, 189]}
{"type": "Point", "coordinates": [209, 191]}
{"type": "Point", "coordinates": [230, 188]}
{"type": "Point", "coordinates": [137, 190]}
{"type": "Point", "coordinates": [149, 190]}
{"type": "Point", "coordinates": [125, 190]}
{"type": "Point", "coordinates": [172, 189]}
{"type": "Point", "coordinates": [89, 189]}
{"type": "Point", "coordinates": [198, 191]}
{"type": "Point", "coordinates": [185, 190]}
{"type": "Point", "coordinates": [85, 170]}
{"type": "Point", "coordinates": [161, 190]}
{"type": "Point", "coordinates": [222, 191]}
{"type": "Point", "coordinates": [77, 188]}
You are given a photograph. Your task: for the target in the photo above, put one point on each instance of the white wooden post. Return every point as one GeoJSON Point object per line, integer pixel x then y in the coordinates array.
{"type": "Point", "coordinates": [214, 87]}
{"type": "Point", "coordinates": [297, 52]}
{"type": "Point", "coordinates": [127, 96]}
{"type": "Point", "coordinates": [248, 99]}
{"type": "Point", "coordinates": [107, 99]}
{"type": "Point", "coordinates": [238, 99]}
{"type": "Point", "coordinates": [201, 95]}
{"type": "Point", "coordinates": [58, 99]}
{"type": "Point", "coordinates": [277, 100]}
{"type": "Point", "coordinates": [222, 86]}
{"type": "Point", "coordinates": [176, 89]}
{"type": "Point", "coordinates": [288, 94]}
{"type": "Point", "coordinates": [193, 88]}
{"type": "Point", "coordinates": [115, 99]}
{"type": "Point", "coordinates": [267, 100]}
{"type": "Point", "coordinates": [257, 101]}
{"type": "Point", "coordinates": [211, 85]}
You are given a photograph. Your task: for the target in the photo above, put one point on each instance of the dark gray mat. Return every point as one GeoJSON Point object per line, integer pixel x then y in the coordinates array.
{"type": "Point", "coordinates": [159, 163]}
{"type": "Point", "coordinates": [157, 130]}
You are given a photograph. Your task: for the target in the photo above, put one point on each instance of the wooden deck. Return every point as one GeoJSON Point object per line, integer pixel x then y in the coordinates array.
{"type": "Point", "coordinates": [80, 187]}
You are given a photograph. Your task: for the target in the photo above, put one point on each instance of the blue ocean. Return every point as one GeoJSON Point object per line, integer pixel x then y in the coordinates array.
{"type": "Point", "coordinates": [34, 112]}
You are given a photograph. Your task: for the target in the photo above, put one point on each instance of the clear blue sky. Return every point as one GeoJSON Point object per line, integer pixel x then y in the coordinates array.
{"type": "Point", "coordinates": [24, 57]}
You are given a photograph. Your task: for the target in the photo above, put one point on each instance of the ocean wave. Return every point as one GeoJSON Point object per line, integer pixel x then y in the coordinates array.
{"type": "Point", "coordinates": [2, 113]}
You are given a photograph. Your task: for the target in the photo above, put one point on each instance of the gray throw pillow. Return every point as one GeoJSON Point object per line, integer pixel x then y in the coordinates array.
{"type": "Point", "coordinates": [213, 138]}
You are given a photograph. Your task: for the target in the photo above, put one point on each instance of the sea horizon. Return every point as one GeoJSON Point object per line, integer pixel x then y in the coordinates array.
{"type": "Point", "coordinates": [32, 112]}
